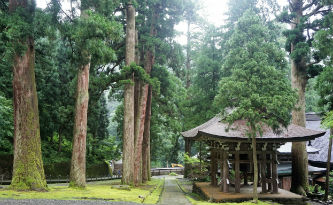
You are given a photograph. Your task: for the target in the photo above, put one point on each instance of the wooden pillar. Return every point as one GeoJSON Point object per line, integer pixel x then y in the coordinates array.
{"type": "Point", "coordinates": [263, 172]}
{"type": "Point", "coordinates": [220, 154]}
{"type": "Point", "coordinates": [225, 172]}
{"type": "Point", "coordinates": [274, 173]}
{"type": "Point", "coordinates": [213, 167]}
{"type": "Point", "coordinates": [188, 146]}
{"type": "Point", "coordinates": [188, 151]}
{"type": "Point", "coordinates": [251, 164]}
{"type": "Point", "coordinates": [237, 172]}
{"type": "Point", "coordinates": [269, 172]}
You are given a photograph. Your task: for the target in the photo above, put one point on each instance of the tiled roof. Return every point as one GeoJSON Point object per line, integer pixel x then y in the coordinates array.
{"type": "Point", "coordinates": [320, 143]}
{"type": "Point", "coordinates": [237, 131]}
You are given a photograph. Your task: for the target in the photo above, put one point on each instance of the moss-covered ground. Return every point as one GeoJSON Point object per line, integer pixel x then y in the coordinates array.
{"type": "Point", "coordinates": [146, 193]}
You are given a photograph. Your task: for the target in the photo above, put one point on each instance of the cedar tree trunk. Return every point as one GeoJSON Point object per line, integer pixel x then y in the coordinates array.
{"type": "Point", "coordinates": [28, 172]}
{"type": "Point", "coordinates": [146, 140]}
{"type": "Point", "coordinates": [78, 163]}
{"type": "Point", "coordinates": [299, 154]}
{"type": "Point", "coordinates": [128, 125]}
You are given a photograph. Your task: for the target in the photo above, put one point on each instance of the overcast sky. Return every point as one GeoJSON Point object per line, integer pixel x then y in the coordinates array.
{"type": "Point", "coordinates": [212, 10]}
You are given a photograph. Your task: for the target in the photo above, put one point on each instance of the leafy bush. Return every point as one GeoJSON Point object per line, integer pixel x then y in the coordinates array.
{"type": "Point", "coordinates": [198, 171]}
{"type": "Point", "coordinates": [173, 174]}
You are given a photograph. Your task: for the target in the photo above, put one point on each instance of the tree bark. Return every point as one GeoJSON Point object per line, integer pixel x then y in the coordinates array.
{"type": "Point", "coordinates": [28, 171]}
{"type": "Point", "coordinates": [78, 163]}
{"type": "Point", "coordinates": [128, 125]}
{"type": "Point", "coordinates": [328, 165]}
{"type": "Point", "coordinates": [146, 140]}
{"type": "Point", "coordinates": [299, 155]}
{"type": "Point", "coordinates": [140, 120]}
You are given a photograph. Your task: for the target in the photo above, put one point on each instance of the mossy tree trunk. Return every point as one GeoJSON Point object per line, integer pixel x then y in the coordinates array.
{"type": "Point", "coordinates": [28, 171]}
{"type": "Point", "coordinates": [78, 163]}
{"type": "Point", "coordinates": [128, 125]}
{"type": "Point", "coordinates": [298, 81]}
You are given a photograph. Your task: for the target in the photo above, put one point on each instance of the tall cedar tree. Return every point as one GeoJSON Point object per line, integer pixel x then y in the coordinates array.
{"type": "Point", "coordinates": [78, 162]}
{"type": "Point", "coordinates": [128, 125]}
{"type": "Point", "coordinates": [256, 91]}
{"type": "Point", "coordinates": [323, 43]}
{"type": "Point", "coordinates": [304, 17]}
{"type": "Point", "coordinates": [28, 172]}
{"type": "Point", "coordinates": [92, 33]}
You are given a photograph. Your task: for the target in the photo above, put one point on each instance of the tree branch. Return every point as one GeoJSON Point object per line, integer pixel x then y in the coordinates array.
{"type": "Point", "coordinates": [315, 11]}
{"type": "Point", "coordinates": [309, 5]}
{"type": "Point", "coordinates": [312, 63]}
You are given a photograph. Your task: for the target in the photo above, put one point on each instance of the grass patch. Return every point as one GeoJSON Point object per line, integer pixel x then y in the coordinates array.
{"type": "Point", "coordinates": [173, 174]}
{"type": "Point", "coordinates": [154, 196]}
{"type": "Point", "coordinates": [99, 190]}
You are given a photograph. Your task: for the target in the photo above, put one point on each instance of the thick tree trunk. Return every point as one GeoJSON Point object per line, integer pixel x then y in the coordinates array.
{"type": "Point", "coordinates": [140, 121]}
{"type": "Point", "coordinates": [28, 172]}
{"type": "Point", "coordinates": [128, 125]}
{"type": "Point", "coordinates": [146, 140]}
{"type": "Point", "coordinates": [299, 155]}
{"type": "Point", "coordinates": [328, 166]}
{"type": "Point", "coordinates": [78, 163]}
{"type": "Point", "coordinates": [299, 80]}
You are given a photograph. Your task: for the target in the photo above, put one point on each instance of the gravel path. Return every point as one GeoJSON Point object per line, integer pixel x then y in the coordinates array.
{"type": "Point", "coordinates": [60, 202]}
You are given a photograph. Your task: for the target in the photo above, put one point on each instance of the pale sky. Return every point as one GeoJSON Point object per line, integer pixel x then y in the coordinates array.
{"type": "Point", "coordinates": [212, 10]}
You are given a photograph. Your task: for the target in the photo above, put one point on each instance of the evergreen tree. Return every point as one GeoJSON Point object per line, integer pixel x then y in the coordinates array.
{"type": "Point", "coordinates": [305, 19]}
{"type": "Point", "coordinates": [256, 90]}
{"type": "Point", "coordinates": [28, 172]}
{"type": "Point", "coordinates": [128, 124]}
{"type": "Point", "coordinates": [323, 44]}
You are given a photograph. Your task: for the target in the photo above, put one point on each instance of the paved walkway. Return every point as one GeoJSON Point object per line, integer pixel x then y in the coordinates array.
{"type": "Point", "coordinates": [172, 194]}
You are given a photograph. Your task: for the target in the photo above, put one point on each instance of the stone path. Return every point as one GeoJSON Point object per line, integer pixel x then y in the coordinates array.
{"type": "Point", "coordinates": [172, 194]}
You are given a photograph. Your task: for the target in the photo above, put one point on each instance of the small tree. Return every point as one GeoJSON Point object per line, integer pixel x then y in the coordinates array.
{"type": "Point", "coordinates": [255, 89]}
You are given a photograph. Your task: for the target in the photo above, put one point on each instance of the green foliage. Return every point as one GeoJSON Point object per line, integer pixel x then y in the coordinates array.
{"type": "Point", "coordinates": [316, 189]}
{"type": "Point", "coordinates": [256, 90]}
{"type": "Point", "coordinates": [91, 37]}
{"type": "Point", "coordinates": [311, 96]}
{"type": "Point", "coordinates": [173, 174]}
{"type": "Point", "coordinates": [204, 82]}
{"type": "Point", "coordinates": [307, 30]}
{"type": "Point", "coordinates": [6, 124]}
{"type": "Point", "coordinates": [167, 118]}
{"type": "Point", "coordinates": [328, 121]}
{"type": "Point", "coordinates": [190, 160]}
